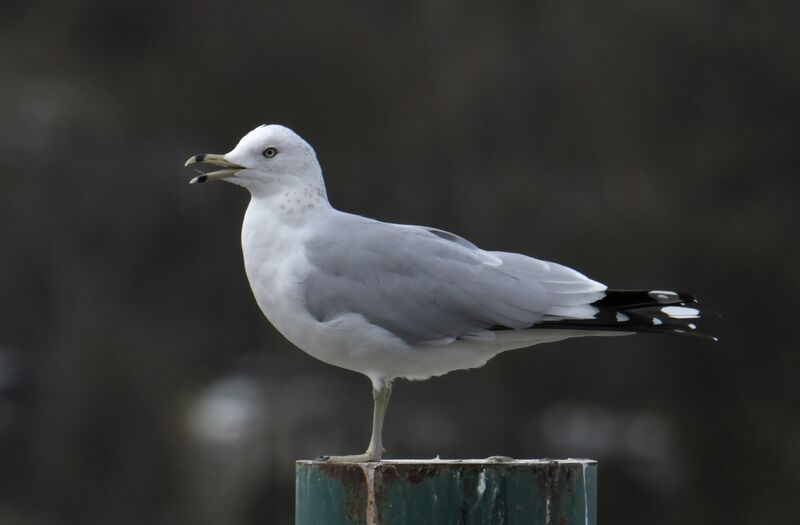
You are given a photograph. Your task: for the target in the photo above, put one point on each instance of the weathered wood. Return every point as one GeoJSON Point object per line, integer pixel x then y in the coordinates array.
{"type": "Point", "coordinates": [399, 492]}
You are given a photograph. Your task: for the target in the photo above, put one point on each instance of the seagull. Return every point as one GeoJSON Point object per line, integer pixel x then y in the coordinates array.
{"type": "Point", "coordinates": [399, 301]}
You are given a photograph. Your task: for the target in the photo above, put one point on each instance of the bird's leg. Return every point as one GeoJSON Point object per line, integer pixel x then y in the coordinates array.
{"type": "Point", "coordinates": [375, 449]}
{"type": "Point", "coordinates": [381, 401]}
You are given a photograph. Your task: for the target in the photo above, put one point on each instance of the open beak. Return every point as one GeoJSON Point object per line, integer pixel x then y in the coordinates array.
{"type": "Point", "coordinates": [229, 168]}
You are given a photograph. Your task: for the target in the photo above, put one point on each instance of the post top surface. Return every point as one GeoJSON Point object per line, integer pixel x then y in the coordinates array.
{"type": "Point", "coordinates": [493, 460]}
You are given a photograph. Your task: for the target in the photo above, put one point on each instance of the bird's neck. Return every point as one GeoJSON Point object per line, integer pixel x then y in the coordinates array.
{"type": "Point", "coordinates": [290, 202]}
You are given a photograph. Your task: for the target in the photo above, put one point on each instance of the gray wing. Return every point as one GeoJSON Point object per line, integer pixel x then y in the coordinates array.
{"type": "Point", "coordinates": [427, 285]}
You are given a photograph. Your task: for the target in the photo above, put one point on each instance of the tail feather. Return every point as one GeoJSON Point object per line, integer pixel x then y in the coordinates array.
{"type": "Point", "coordinates": [653, 311]}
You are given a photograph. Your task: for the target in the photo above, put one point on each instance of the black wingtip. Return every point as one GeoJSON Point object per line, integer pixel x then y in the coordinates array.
{"type": "Point", "coordinates": [649, 311]}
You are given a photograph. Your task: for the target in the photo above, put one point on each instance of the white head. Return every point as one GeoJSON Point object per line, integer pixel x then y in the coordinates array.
{"type": "Point", "coordinates": [267, 157]}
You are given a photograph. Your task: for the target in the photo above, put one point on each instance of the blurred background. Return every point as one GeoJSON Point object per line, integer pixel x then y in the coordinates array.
{"type": "Point", "coordinates": [649, 144]}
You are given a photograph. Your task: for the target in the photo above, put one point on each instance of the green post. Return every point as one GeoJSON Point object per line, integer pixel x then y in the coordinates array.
{"type": "Point", "coordinates": [494, 491]}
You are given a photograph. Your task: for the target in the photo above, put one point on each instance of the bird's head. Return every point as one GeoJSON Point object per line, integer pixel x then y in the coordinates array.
{"type": "Point", "coordinates": [268, 155]}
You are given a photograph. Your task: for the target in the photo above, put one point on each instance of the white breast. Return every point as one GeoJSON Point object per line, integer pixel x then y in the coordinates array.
{"type": "Point", "coordinates": [275, 263]}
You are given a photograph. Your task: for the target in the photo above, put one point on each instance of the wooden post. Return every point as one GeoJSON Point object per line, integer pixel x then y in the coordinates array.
{"type": "Point", "coordinates": [496, 491]}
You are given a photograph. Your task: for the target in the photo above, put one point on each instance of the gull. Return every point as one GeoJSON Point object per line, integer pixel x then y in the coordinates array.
{"type": "Point", "coordinates": [399, 301]}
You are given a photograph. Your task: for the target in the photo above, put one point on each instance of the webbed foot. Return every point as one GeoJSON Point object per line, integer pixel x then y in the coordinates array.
{"type": "Point", "coordinates": [355, 458]}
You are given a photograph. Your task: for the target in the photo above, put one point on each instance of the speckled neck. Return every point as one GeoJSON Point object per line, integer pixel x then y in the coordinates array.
{"type": "Point", "coordinates": [290, 201]}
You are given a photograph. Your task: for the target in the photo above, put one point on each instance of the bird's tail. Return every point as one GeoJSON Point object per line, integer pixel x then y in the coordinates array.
{"type": "Point", "coordinates": [655, 311]}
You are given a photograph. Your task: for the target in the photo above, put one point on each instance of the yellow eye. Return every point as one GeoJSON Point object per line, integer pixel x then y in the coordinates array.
{"type": "Point", "coordinates": [269, 152]}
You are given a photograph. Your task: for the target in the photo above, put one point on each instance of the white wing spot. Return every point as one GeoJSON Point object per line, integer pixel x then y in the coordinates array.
{"type": "Point", "coordinates": [681, 312]}
{"type": "Point", "coordinates": [663, 295]}
{"type": "Point", "coordinates": [621, 318]}
{"type": "Point", "coordinates": [657, 321]}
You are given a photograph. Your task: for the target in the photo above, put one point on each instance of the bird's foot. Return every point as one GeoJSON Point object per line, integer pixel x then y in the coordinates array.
{"type": "Point", "coordinates": [366, 457]}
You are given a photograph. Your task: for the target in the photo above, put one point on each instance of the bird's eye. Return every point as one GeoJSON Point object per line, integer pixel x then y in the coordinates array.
{"type": "Point", "coordinates": [269, 152]}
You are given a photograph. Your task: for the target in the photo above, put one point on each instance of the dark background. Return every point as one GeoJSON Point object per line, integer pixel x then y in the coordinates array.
{"type": "Point", "coordinates": [649, 144]}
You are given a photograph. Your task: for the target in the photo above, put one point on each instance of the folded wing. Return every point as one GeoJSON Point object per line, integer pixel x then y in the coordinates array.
{"type": "Point", "coordinates": [427, 286]}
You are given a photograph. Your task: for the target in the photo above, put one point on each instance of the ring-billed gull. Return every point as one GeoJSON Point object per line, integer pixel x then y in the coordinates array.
{"type": "Point", "coordinates": [398, 301]}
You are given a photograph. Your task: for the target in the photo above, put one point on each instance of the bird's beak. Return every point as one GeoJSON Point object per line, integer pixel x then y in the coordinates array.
{"type": "Point", "coordinates": [229, 168]}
